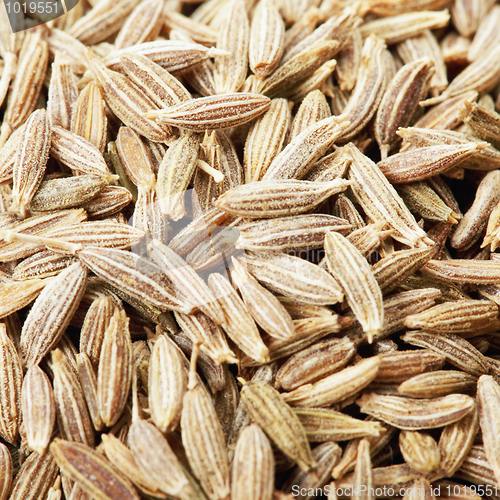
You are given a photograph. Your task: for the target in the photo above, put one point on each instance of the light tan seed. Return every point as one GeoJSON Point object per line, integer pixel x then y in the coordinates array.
{"type": "Point", "coordinates": [88, 118]}
{"type": "Point", "coordinates": [274, 198]}
{"type": "Point", "coordinates": [154, 456]}
{"type": "Point", "coordinates": [266, 139]}
{"type": "Point", "coordinates": [62, 92]}
{"type": "Point", "coordinates": [252, 466]}
{"type": "Point", "coordinates": [264, 307]}
{"type": "Point", "coordinates": [305, 149]}
{"type": "Point", "coordinates": [35, 477]}
{"type": "Point", "coordinates": [31, 160]}
{"type": "Point", "coordinates": [39, 409]}
{"type": "Point", "coordinates": [416, 414]}
{"type": "Point", "coordinates": [16, 295]}
{"type": "Point", "coordinates": [322, 424]}
{"type": "Point", "coordinates": [72, 415]}
{"type": "Point", "coordinates": [167, 383]}
{"type": "Point", "coordinates": [88, 381]}
{"type": "Point", "coordinates": [335, 387]}
{"type": "Point", "coordinates": [142, 25]}
{"type": "Point", "coordinates": [395, 29]}
{"type": "Point", "coordinates": [213, 112]}
{"type": "Point", "coordinates": [238, 323]}
{"type": "Point", "coordinates": [204, 443]}
{"type": "Point", "coordinates": [156, 82]}
{"type": "Point", "coordinates": [350, 268]}
{"type": "Point", "coordinates": [51, 314]}
{"type": "Point", "coordinates": [484, 123]}
{"type": "Point", "coordinates": [295, 278]}
{"type": "Point", "coordinates": [369, 90]}
{"type": "Point", "coordinates": [400, 101]}
{"type": "Point", "coordinates": [489, 400]}
{"type": "Point", "coordinates": [455, 443]}
{"type": "Point", "coordinates": [268, 409]}
{"type": "Point", "coordinates": [467, 15]}
{"type": "Point", "coordinates": [7, 472]}
{"type": "Point", "coordinates": [422, 163]}
{"type": "Point", "coordinates": [380, 200]}
{"type": "Point", "coordinates": [91, 471]}
{"type": "Point", "coordinates": [438, 383]}
{"type": "Point", "coordinates": [114, 375]}
{"type": "Point", "coordinates": [419, 450]}
{"type": "Point", "coordinates": [458, 351]}
{"type": "Point", "coordinates": [486, 36]}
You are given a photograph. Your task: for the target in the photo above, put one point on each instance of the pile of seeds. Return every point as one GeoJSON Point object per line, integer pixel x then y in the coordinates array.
{"type": "Point", "coordinates": [248, 251]}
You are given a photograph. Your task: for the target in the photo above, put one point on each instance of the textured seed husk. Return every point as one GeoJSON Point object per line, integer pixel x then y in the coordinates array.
{"type": "Point", "coordinates": [313, 108]}
{"type": "Point", "coordinates": [274, 198]}
{"type": "Point", "coordinates": [41, 265]}
{"type": "Point", "coordinates": [461, 271]}
{"type": "Point", "coordinates": [39, 409]}
{"type": "Point", "coordinates": [422, 163]}
{"type": "Point", "coordinates": [419, 450]}
{"type": "Point", "coordinates": [416, 414]}
{"type": "Point", "coordinates": [458, 351]}
{"type": "Point", "coordinates": [156, 82]}
{"type": "Point", "coordinates": [88, 118]}
{"type": "Point", "coordinates": [238, 323]}
{"type": "Point", "coordinates": [400, 101]}
{"type": "Point", "coordinates": [8, 155]}
{"type": "Point", "coordinates": [91, 471]}
{"type": "Point", "coordinates": [110, 201]}
{"type": "Point", "coordinates": [397, 266]}
{"type": "Point", "coordinates": [213, 112]}
{"type": "Point", "coordinates": [51, 314]}
{"type": "Point", "coordinates": [264, 307]}
{"type": "Point", "coordinates": [67, 192]}
{"type": "Point", "coordinates": [322, 424]}
{"type": "Point", "coordinates": [484, 123]}
{"type": "Point", "coordinates": [31, 160]}
{"type": "Point", "coordinates": [202, 330]}
{"type": "Point", "coordinates": [11, 379]}
{"type": "Point", "coordinates": [7, 472]}
{"type": "Point", "coordinates": [315, 362]}
{"type": "Point", "coordinates": [154, 456]}
{"type": "Point", "coordinates": [114, 376]}
{"type": "Point", "coordinates": [455, 443]}
{"type": "Point", "coordinates": [36, 476]}
{"type": "Point", "coordinates": [234, 37]}
{"type": "Point", "coordinates": [289, 233]}
{"type": "Point", "coordinates": [305, 149]}
{"type": "Point", "coordinates": [27, 84]}
{"type": "Point", "coordinates": [265, 139]}
{"type": "Point", "coordinates": [488, 393]}
{"type": "Point", "coordinates": [203, 440]}
{"type": "Point", "coordinates": [476, 467]}
{"type": "Point", "coordinates": [327, 456]}
{"type": "Point", "coordinates": [423, 200]}
{"type": "Point", "coordinates": [175, 173]}
{"type": "Point", "coordinates": [400, 365]}
{"type": "Point", "coordinates": [252, 466]}
{"type": "Point", "coordinates": [172, 55]}
{"type": "Point", "coordinates": [352, 271]}
{"type": "Point", "coordinates": [142, 25]}
{"type": "Point", "coordinates": [395, 29]}
{"type": "Point", "coordinates": [134, 275]}
{"type": "Point", "coordinates": [299, 68]}
{"type": "Point", "coordinates": [127, 101]}
{"type": "Point", "coordinates": [335, 387]}
{"type": "Point", "coordinates": [295, 278]}
{"type": "Point", "coordinates": [167, 383]}
{"type": "Point", "coordinates": [380, 200]}
{"type": "Point", "coordinates": [187, 282]}
{"type": "Point", "coordinates": [121, 457]}
{"type": "Point", "coordinates": [437, 383]}
{"type": "Point", "coordinates": [94, 326]}
{"type": "Point", "coordinates": [268, 409]}
{"type": "Point", "coordinates": [77, 152]}
{"type": "Point", "coordinates": [71, 409]}
{"type": "Point", "coordinates": [88, 381]}
{"type": "Point", "coordinates": [15, 295]}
